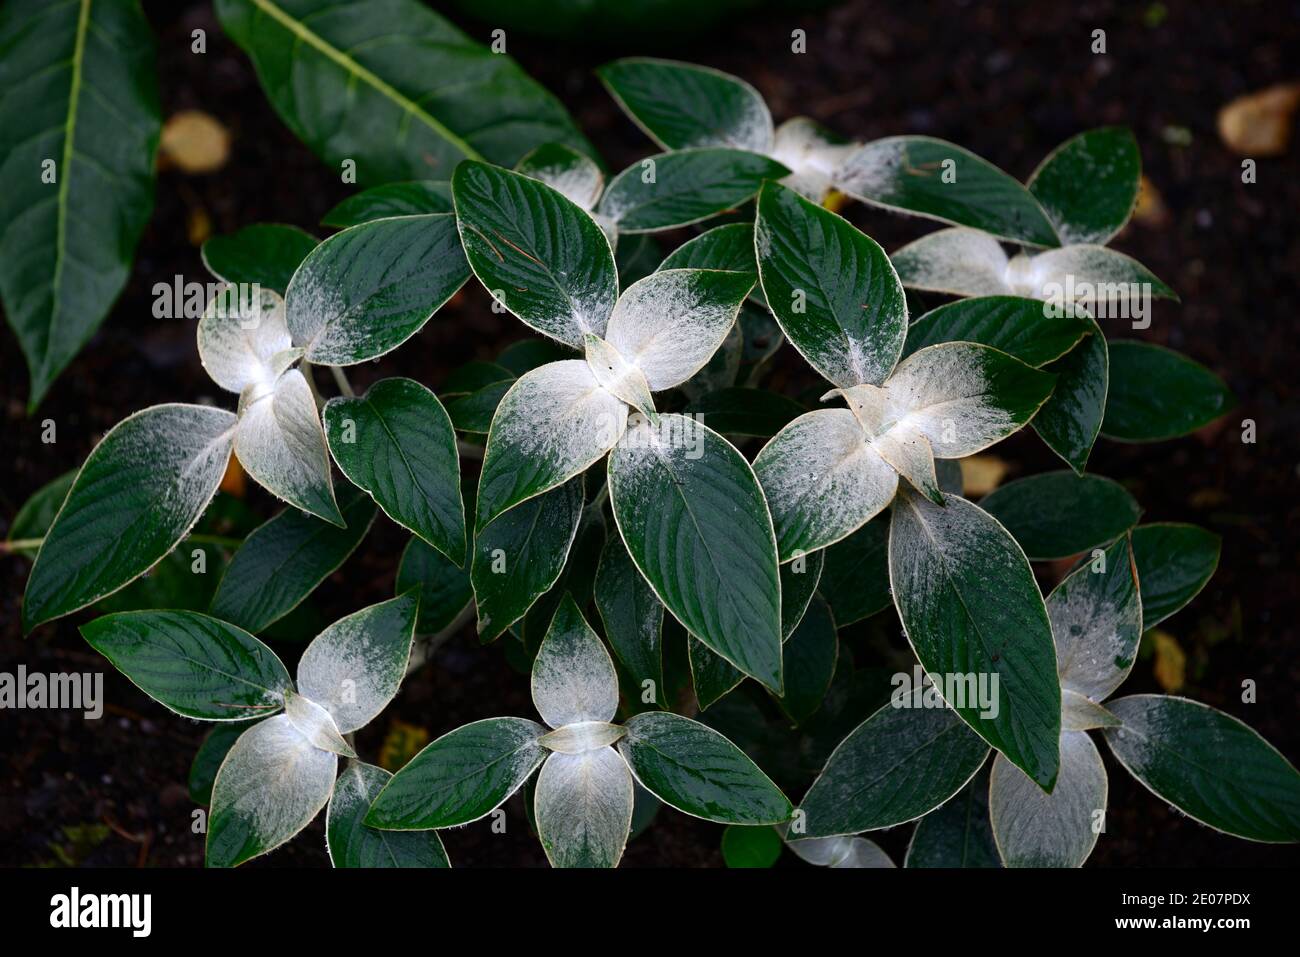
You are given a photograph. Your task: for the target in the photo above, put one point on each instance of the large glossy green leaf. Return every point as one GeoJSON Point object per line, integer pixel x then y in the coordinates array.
{"type": "Point", "coordinates": [184, 580]}
{"type": "Point", "coordinates": [193, 664]}
{"type": "Point", "coordinates": [856, 578]}
{"type": "Point", "coordinates": [1018, 326]}
{"type": "Point", "coordinates": [1174, 562]}
{"type": "Point", "coordinates": [902, 762]}
{"type": "Point", "coordinates": [696, 524]}
{"type": "Point", "coordinates": [1088, 185]}
{"type": "Point", "coordinates": [1209, 765]}
{"type": "Point", "coordinates": [939, 180]}
{"type": "Point", "coordinates": [633, 617]}
{"type": "Point", "coordinates": [675, 189]}
{"type": "Point", "coordinates": [831, 287]}
{"type": "Point", "coordinates": [957, 833]}
{"type": "Point", "coordinates": [368, 289]}
{"type": "Point", "coordinates": [680, 105]}
{"type": "Point", "coordinates": [537, 252]}
{"type": "Point", "coordinates": [392, 86]}
{"type": "Point", "coordinates": [971, 610]}
{"type": "Point", "coordinates": [698, 771]}
{"type": "Point", "coordinates": [285, 559]}
{"type": "Point", "coordinates": [397, 443]}
{"type": "Point", "coordinates": [272, 784]}
{"type": "Point", "coordinates": [1059, 514]}
{"type": "Point", "coordinates": [1033, 829]}
{"type": "Point", "coordinates": [1156, 393]}
{"type": "Point", "coordinates": [352, 844]}
{"type": "Point", "coordinates": [518, 556]}
{"type": "Point", "coordinates": [445, 589]}
{"type": "Point", "coordinates": [577, 581]}
{"type": "Point", "coordinates": [391, 199]}
{"type": "Point", "coordinates": [139, 492]}
{"type": "Point", "coordinates": [80, 119]}
{"type": "Point", "coordinates": [266, 253]}
{"type": "Point", "coordinates": [1070, 419]}
{"type": "Point", "coordinates": [460, 777]}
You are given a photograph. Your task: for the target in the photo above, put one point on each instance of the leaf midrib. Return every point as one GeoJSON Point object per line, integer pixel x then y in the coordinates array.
{"type": "Point", "coordinates": [356, 71]}
{"type": "Point", "coordinates": [65, 167]}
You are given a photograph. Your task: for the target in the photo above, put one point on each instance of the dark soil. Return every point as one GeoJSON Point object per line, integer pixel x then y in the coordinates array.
{"type": "Point", "coordinates": [1009, 81]}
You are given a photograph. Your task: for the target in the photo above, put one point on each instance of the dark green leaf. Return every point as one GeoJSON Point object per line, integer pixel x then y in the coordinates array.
{"type": "Point", "coordinates": [971, 610]}
{"type": "Point", "coordinates": [391, 199]}
{"type": "Point", "coordinates": [538, 253]}
{"type": "Point", "coordinates": [193, 664]}
{"type": "Point", "coordinates": [392, 86]}
{"type": "Point", "coordinates": [267, 253]}
{"type": "Point", "coordinates": [684, 187]}
{"type": "Point", "coordinates": [810, 656]}
{"type": "Point", "coordinates": [1070, 419]}
{"type": "Point", "coordinates": [397, 443]}
{"type": "Point", "coordinates": [285, 559]}
{"type": "Point", "coordinates": [518, 557]}
{"type": "Point", "coordinates": [700, 772]}
{"type": "Point", "coordinates": [831, 287]}
{"type": "Point", "coordinates": [1156, 394]}
{"type": "Point", "coordinates": [352, 844]}
{"type": "Point", "coordinates": [1209, 765]}
{"type": "Point", "coordinates": [1174, 562]}
{"type": "Point", "coordinates": [696, 524]}
{"type": "Point", "coordinates": [368, 289]}
{"type": "Point", "coordinates": [37, 513]}
{"type": "Point", "coordinates": [632, 615]}
{"type": "Point", "coordinates": [139, 492]}
{"type": "Point", "coordinates": [940, 180]}
{"type": "Point", "coordinates": [957, 833]}
{"type": "Point", "coordinates": [445, 590]}
{"type": "Point", "coordinates": [856, 579]}
{"type": "Point", "coordinates": [474, 412]}
{"type": "Point", "coordinates": [729, 247]}
{"type": "Point", "coordinates": [1088, 185]}
{"type": "Point", "coordinates": [680, 105]}
{"type": "Point", "coordinates": [80, 119]}
{"type": "Point", "coordinates": [460, 777]}
{"type": "Point", "coordinates": [757, 847]}
{"type": "Point", "coordinates": [1059, 514]}
{"type": "Point", "coordinates": [1025, 328]}
{"type": "Point", "coordinates": [902, 762]}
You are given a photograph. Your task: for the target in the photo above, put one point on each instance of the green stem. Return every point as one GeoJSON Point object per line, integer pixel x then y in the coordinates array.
{"type": "Point", "coordinates": [341, 380]}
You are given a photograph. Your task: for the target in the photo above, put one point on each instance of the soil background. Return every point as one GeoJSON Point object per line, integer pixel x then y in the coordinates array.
{"type": "Point", "coordinates": [1007, 80]}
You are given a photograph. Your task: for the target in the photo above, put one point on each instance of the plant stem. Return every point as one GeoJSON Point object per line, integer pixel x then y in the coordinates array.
{"type": "Point", "coordinates": [341, 380]}
{"type": "Point", "coordinates": [20, 544]}
{"type": "Point", "coordinates": [469, 451]}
